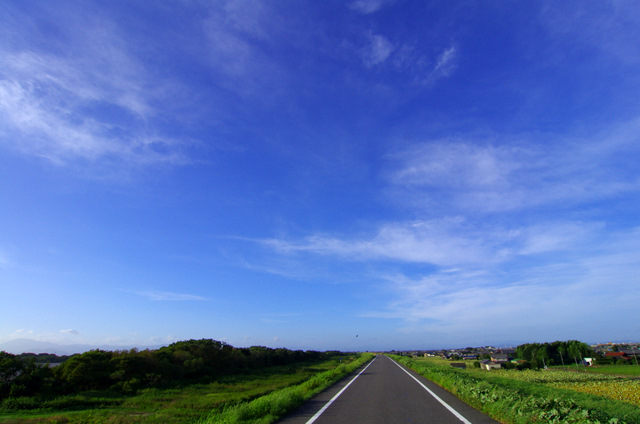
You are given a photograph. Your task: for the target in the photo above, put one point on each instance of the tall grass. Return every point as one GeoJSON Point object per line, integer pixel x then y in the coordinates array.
{"type": "Point", "coordinates": [267, 409]}
{"type": "Point", "coordinates": [522, 402]}
{"type": "Point", "coordinates": [175, 404]}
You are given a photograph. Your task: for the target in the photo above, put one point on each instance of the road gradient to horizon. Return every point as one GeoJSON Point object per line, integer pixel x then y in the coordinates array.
{"type": "Point", "coordinates": [384, 391]}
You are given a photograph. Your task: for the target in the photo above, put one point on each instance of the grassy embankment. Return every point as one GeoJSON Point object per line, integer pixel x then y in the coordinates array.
{"type": "Point", "coordinates": [227, 397]}
{"type": "Point", "coordinates": [519, 397]}
{"type": "Point", "coordinates": [268, 409]}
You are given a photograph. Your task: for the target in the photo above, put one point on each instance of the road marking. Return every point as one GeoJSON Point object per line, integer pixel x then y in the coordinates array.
{"type": "Point", "coordinates": [445, 404]}
{"type": "Point", "coordinates": [324, 408]}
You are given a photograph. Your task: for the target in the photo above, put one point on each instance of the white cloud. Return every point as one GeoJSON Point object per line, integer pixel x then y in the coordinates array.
{"type": "Point", "coordinates": [453, 163]}
{"type": "Point", "coordinates": [574, 290]}
{"type": "Point", "coordinates": [445, 64]}
{"type": "Point", "coordinates": [367, 6]}
{"type": "Point", "coordinates": [90, 103]}
{"type": "Point", "coordinates": [155, 295]}
{"type": "Point", "coordinates": [377, 51]}
{"type": "Point", "coordinates": [70, 331]}
{"type": "Point", "coordinates": [235, 35]}
{"type": "Point", "coordinates": [435, 242]}
{"type": "Point", "coordinates": [461, 175]}
{"type": "Point", "coordinates": [611, 27]}
{"type": "Point", "coordinates": [448, 242]}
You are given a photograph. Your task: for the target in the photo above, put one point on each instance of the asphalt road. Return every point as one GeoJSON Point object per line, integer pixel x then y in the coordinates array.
{"type": "Point", "coordinates": [385, 392]}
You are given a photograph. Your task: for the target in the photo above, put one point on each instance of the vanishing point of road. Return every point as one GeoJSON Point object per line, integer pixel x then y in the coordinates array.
{"type": "Point", "coordinates": [385, 392]}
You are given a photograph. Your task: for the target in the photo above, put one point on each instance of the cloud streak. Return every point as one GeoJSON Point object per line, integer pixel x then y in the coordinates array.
{"type": "Point", "coordinates": [478, 176]}
{"type": "Point", "coordinates": [163, 296]}
{"type": "Point", "coordinates": [367, 7]}
{"type": "Point", "coordinates": [377, 51]}
{"type": "Point", "coordinates": [91, 103]}
{"type": "Point", "coordinates": [532, 299]}
{"type": "Point", "coordinates": [484, 256]}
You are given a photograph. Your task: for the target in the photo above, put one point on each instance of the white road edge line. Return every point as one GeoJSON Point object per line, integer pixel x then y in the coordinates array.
{"type": "Point", "coordinates": [445, 404]}
{"type": "Point", "coordinates": [324, 408]}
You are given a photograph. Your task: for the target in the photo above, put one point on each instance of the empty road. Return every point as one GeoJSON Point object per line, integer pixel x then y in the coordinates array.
{"type": "Point", "coordinates": [385, 392]}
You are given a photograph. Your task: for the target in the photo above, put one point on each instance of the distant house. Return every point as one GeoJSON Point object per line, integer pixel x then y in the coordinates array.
{"type": "Point", "coordinates": [499, 357]}
{"type": "Point", "coordinates": [617, 355]}
{"type": "Point", "coordinates": [489, 365]}
{"type": "Point", "coordinates": [470, 357]}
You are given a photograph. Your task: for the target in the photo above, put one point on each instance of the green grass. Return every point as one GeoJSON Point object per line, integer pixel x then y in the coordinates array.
{"type": "Point", "coordinates": [631, 370]}
{"type": "Point", "coordinates": [167, 406]}
{"type": "Point", "coordinates": [269, 408]}
{"type": "Point", "coordinates": [514, 400]}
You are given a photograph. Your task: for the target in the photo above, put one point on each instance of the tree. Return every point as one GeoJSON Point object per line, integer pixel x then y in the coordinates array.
{"type": "Point", "coordinates": [22, 377]}
{"type": "Point", "coordinates": [89, 371]}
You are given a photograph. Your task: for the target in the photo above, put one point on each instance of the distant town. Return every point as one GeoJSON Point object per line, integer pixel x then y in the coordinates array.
{"type": "Point", "coordinates": [490, 357]}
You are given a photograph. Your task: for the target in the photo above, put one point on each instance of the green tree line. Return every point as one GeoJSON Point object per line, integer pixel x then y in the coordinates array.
{"type": "Point", "coordinates": [129, 370]}
{"type": "Point", "coordinates": [556, 353]}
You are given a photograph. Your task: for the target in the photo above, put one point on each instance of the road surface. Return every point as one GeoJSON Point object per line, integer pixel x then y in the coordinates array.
{"type": "Point", "coordinates": [385, 392]}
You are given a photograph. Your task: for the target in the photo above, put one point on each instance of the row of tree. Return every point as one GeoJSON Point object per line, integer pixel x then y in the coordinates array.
{"type": "Point", "coordinates": [130, 370]}
{"type": "Point", "coordinates": [556, 353]}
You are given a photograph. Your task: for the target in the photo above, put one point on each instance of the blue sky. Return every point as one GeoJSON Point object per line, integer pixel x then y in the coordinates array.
{"type": "Point", "coordinates": [296, 173]}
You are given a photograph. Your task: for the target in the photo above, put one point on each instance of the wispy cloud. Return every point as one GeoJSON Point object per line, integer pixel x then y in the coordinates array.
{"type": "Point", "coordinates": [447, 242]}
{"type": "Point", "coordinates": [70, 331]}
{"type": "Point", "coordinates": [418, 241]}
{"type": "Point", "coordinates": [531, 298]}
{"type": "Point", "coordinates": [486, 256]}
{"type": "Point", "coordinates": [235, 35]}
{"type": "Point", "coordinates": [445, 64]}
{"type": "Point", "coordinates": [367, 6]}
{"type": "Point", "coordinates": [156, 296]}
{"type": "Point", "coordinates": [473, 175]}
{"type": "Point", "coordinates": [92, 102]}
{"type": "Point", "coordinates": [377, 51]}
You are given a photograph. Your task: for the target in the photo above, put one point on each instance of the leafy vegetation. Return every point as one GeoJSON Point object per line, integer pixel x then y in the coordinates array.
{"type": "Point", "coordinates": [268, 409]}
{"type": "Point", "coordinates": [173, 384]}
{"type": "Point", "coordinates": [128, 371]}
{"type": "Point", "coordinates": [556, 353]}
{"type": "Point", "coordinates": [171, 405]}
{"type": "Point", "coordinates": [614, 370]}
{"type": "Point", "coordinates": [518, 397]}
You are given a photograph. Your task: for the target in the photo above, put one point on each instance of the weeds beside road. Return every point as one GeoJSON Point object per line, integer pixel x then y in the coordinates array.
{"type": "Point", "coordinates": [521, 397]}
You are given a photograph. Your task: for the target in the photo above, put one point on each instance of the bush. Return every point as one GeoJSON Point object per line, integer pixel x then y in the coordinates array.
{"type": "Point", "coordinates": [20, 403]}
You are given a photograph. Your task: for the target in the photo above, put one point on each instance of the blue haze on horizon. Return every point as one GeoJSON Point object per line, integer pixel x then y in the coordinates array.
{"type": "Point", "coordinates": [292, 174]}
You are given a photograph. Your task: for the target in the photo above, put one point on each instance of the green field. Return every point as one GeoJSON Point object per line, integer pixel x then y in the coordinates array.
{"type": "Point", "coordinates": [532, 396]}
{"type": "Point", "coordinates": [629, 370]}
{"type": "Point", "coordinates": [188, 403]}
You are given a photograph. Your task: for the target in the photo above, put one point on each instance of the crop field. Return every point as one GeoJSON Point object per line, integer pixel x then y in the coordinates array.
{"type": "Point", "coordinates": [531, 396]}
{"type": "Point", "coordinates": [628, 370]}
{"type": "Point", "coordinates": [622, 388]}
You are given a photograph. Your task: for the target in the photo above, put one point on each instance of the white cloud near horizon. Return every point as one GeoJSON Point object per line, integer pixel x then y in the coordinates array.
{"type": "Point", "coordinates": [489, 234]}
{"type": "Point", "coordinates": [530, 298]}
